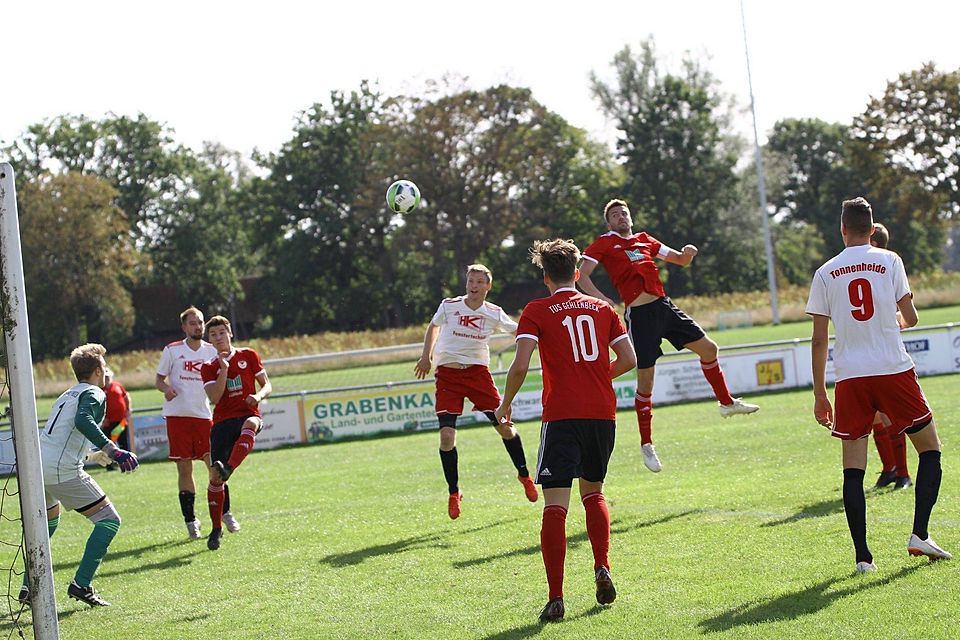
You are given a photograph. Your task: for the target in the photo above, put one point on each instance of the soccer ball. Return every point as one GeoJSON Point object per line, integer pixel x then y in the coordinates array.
{"type": "Point", "coordinates": [403, 196]}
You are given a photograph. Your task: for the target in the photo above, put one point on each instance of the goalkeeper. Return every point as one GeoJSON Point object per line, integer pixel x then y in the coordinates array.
{"type": "Point", "coordinates": [65, 439]}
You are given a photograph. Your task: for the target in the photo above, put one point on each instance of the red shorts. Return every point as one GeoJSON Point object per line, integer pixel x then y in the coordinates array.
{"type": "Point", "coordinates": [857, 401]}
{"type": "Point", "coordinates": [189, 438]}
{"type": "Point", "coordinates": [474, 383]}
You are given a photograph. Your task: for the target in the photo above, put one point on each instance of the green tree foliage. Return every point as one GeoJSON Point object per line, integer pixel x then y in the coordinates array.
{"type": "Point", "coordinates": [77, 254]}
{"type": "Point", "coordinates": [679, 157]}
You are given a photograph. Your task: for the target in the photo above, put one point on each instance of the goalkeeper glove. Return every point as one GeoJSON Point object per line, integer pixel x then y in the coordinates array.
{"type": "Point", "coordinates": [127, 460]}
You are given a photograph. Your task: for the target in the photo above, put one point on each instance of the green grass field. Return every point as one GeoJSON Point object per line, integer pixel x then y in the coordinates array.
{"type": "Point", "coordinates": [741, 536]}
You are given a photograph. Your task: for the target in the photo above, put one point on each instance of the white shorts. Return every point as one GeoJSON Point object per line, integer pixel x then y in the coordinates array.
{"type": "Point", "coordinates": [77, 494]}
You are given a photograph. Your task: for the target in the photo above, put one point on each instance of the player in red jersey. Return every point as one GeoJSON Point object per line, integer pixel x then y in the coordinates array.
{"type": "Point", "coordinates": [628, 258]}
{"type": "Point", "coordinates": [860, 290]}
{"type": "Point", "coordinates": [118, 423]}
{"type": "Point", "coordinates": [458, 341]}
{"type": "Point", "coordinates": [230, 381]}
{"type": "Point", "coordinates": [186, 410]}
{"type": "Point", "coordinates": [574, 333]}
{"type": "Point", "coordinates": [891, 446]}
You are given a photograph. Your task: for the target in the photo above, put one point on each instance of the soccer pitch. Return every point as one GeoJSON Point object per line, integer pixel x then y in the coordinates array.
{"type": "Point", "coordinates": [741, 536]}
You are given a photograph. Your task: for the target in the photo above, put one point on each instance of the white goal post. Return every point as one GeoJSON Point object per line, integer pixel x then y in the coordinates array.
{"type": "Point", "coordinates": [26, 436]}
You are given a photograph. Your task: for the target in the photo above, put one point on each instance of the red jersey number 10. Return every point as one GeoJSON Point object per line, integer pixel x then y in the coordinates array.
{"type": "Point", "coordinates": [861, 297]}
{"type": "Point", "coordinates": [583, 338]}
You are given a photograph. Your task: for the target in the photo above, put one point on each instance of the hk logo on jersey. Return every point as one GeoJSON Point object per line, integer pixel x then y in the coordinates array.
{"type": "Point", "coordinates": [471, 322]}
{"type": "Point", "coordinates": [635, 255]}
{"type": "Point", "coordinates": [193, 366]}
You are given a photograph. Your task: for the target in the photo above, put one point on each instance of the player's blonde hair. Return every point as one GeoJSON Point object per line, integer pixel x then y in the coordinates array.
{"type": "Point", "coordinates": [86, 358]}
{"type": "Point", "coordinates": [558, 258]}
{"type": "Point", "coordinates": [479, 268]}
{"type": "Point", "coordinates": [614, 203]}
{"type": "Point", "coordinates": [191, 310]}
{"type": "Point", "coordinates": [880, 237]}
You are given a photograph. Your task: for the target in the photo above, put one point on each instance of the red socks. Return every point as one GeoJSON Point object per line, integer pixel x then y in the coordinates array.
{"type": "Point", "coordinates": [553, 546]}
{"type": "Point", "coordinates": [242, 447]}
{"type": "Point", "coordinates": [644, 406]}
{"type": "Point", "coordinates": [714, 375]}
{"type": "Point", "coordinates": [899, 445]}
{"type": "Point", "coordinates": [598, 528]}
{"type": "Point", "coordinates": [884, 447]}
{"type": "Point", "coordinates": [215, 501]}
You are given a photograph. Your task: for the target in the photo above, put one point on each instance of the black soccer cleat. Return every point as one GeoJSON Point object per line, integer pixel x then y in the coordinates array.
{"type": "Point", "coordinates": [886, 478]}
{"type": "Point", "coordinates": [553, 611]}
{"type": "Point", "coordinates": [86, 594]}
{"type": "Point", "coordinates": [224, 470]}
{"type": "Point", "coordinates": [213, 540]}
{"type": "Point", "coordinates": [606, 592]}
{"type": "Point", "coordinates": [903, 482]}
{"type": "Point", "coordinates": [24, 596]}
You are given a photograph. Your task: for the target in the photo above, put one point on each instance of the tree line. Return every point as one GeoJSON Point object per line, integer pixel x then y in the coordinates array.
{"type": "Point", "coordinates": [114, 204]}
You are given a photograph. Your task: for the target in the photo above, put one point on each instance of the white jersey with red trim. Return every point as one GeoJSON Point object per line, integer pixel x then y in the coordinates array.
{"type": "Point", "coordinates": [858, 290]}
{"type": "Point", "coordinates": [181, 366]}
{"type": "Point", "coordinates": [465, 332]}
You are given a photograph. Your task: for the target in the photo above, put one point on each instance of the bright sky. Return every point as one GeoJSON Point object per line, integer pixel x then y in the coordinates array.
{"type": "Point", "coordinates": [239, 72]}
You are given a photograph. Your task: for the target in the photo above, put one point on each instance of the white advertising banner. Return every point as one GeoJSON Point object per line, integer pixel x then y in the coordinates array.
{"type": "Point", "coordinates": [281, 424]}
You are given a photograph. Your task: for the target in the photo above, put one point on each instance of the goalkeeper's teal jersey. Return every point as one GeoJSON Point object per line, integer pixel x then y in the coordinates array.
{"type": "Point", "coordinates": [73, 425]}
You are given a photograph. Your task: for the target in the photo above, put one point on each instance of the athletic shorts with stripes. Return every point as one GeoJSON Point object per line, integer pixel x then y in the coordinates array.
{"type": "Point", "coordinates": [898, 395]}
{"type": "Point", "coordinates": [77, 494]}
{"type": "Point", "coordinates": [574, 449]}
{"type": "Point", "coordinates": [650, 323]}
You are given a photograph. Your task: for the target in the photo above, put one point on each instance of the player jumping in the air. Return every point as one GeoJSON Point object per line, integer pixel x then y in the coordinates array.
{"type": "Point", "coordinates": [574, 333]}
{"type": "Point", "coordinates": [628, 258]}
{"type": "Point", "coordinates": [462, 355]}
{"type": "Point", "coordinates": [230, 381]}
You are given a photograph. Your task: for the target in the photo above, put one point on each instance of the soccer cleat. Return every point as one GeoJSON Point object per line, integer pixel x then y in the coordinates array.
{"type": "Point", "coordinates": [739, 407]}
{"type": "Point", "coordinates": [606, 592]}
{"type": "Point", "coordinates": [223, 469]}
{"type": "Point", "coordinates": [650, 458]}
{"type": "Point", "coordinates": [866, 567]}
{"type": "Point", "coordinates": [529, 488]}
{"type": "Point", "coordinates": [193, 530]}
{"type": "Point", "coordinates": [929, 548]}
{"type": "Point", "coordinates": [886, 478]}
{"type": "Point", "coordinates": [553, 611]}
{"type": "Point", "coordinates": [24, 596]}
{"type": "Point", "coordinates": [86, 594]}
{"type": "Point", "coordinates": [231, 523]}
{"type": "Point", "coordinates": [213, 540]}
{"type": "Point", "coordinates": [453, 505]}
{"type": "Point", "coordinates": [903, 482]}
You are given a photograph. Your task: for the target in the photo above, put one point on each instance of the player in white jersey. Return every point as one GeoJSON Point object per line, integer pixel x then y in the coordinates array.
{"type": "Point", "coordinates": [458, 342]}
{"type": "Point", "coordinates": [861, 290]}
{"type": "Point", "coordinates": [65, 440]}
{"type": "Point", "coordinates": [187, 412]}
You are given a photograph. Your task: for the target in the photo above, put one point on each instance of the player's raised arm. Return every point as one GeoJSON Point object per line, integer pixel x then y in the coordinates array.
{"type": "Point", "coordinates": [683, 257]}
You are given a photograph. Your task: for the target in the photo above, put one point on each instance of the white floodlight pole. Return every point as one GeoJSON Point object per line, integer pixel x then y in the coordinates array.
{"type": "Point", "coordinates": [26, 436]}
{"type": "Point", "coordinates": [761, 185]}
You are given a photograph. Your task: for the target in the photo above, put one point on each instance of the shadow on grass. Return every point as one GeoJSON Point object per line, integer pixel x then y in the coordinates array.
{"type": "Point", "coordinates": [793, 605]}
{"type": "Point", "coordinates": [617, 528]}
{"type": "Point", "coordinates": [435, 539]}
{"type": "Point", "coordinates": [820, 509]}
{"type": "Point", "coordinates": [530, 630]}
{"type": "Point", "coordinates": [128, 553]}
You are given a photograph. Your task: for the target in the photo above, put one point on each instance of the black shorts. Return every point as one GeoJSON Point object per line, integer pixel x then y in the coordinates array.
{"type": "Point", "coordinates": [649, 324]}
{"type": "Point", "coordinates": [574, 449]}
{"type": "Point", "coordinates": [223, 435]}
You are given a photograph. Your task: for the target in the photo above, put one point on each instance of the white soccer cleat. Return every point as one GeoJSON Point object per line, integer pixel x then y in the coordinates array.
{"type": "Point", "coordinates": [230, 522]}
{"type": "Point", "coordinates": [739, 407]}
{"type": "Point", "coordinates": [193, 530]}
{"type": "Point", "coordinates": [866, 567]}
{"type": "Point", "coordinates": [929, 548]}
{"type": "Point", "coordinates": [650, 458]}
